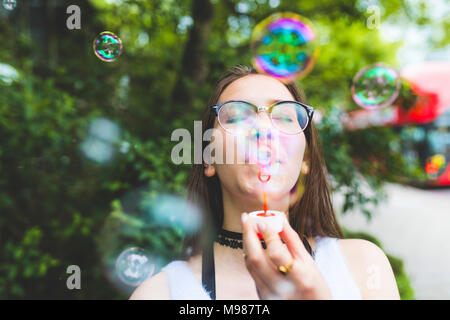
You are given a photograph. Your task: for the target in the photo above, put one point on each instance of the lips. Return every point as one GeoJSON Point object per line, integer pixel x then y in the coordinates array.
{"type": "Point", "coordinates": [263, 156]}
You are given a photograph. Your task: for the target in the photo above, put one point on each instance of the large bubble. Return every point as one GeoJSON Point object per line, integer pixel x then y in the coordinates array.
{"type": "Point", "coordinates": [284, 46]}
{"type": "Point", "coordinates": [107, 46]}
{"type": "Point", "coordinates": [9, 4]}
{"type": "Point", "coordinates": [376, 86]}
{"type": "Point", "coordinates": [134, 266]}
{"type": "Point", "coordinates": [146, 229]}
{"type": "Point", "coordinates": [169, 210]}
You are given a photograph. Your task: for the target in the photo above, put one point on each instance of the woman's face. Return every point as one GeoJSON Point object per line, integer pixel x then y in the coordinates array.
{"type": "Point", "coordinates": [285, 151]}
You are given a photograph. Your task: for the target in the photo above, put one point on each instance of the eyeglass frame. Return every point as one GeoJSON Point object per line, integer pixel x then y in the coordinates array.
{"type": "Point", "coordinates": [309, 111]}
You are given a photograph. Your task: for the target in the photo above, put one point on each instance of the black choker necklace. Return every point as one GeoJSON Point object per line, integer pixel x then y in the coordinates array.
{"type": "Point", "coordinates": [234, 240]}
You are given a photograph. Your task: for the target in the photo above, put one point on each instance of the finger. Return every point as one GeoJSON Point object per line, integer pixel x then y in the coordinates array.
{"type": "Point", "coordinates": [250, 240]}
{"type": "Point", "coordinates": [293, 241]}
{"type": "Point", "coordinates": [276, 251]}
{"type": "Point", "coordinates": [252, 246]}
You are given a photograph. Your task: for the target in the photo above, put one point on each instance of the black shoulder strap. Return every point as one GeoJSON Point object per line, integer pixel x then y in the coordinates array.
{"type": "Point", "coordinates": [308, 246]}
{"type": "Point", "coordinates": [208, 270]}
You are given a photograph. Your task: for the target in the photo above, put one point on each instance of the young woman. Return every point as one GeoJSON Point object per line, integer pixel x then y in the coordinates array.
{"type": "Point", "coordinates": [228, 261]}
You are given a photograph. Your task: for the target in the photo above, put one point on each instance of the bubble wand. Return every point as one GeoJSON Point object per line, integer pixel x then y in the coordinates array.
{"type": "Point", "coordinates": [272, 217]}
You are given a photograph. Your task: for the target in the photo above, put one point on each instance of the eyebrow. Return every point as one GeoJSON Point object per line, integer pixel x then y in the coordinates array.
{"type": "Point", "coordinates": [275, 101]}
{"type": "Point", "coordinates": [271, 102]}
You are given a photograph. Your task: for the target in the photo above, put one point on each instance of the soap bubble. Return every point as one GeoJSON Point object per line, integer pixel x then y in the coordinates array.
{"type": "Point", "coordinates": [107, 46]}
{"type": "Point", "coordinates": [8, 74]}
{"type": "Point", "coordinates": [102, 141]}
{"type": "Point", "coordinates": [170, 210]}
{"type": "Point", "coordinates": [134, 266]}
{"type": "Point", "coordinates": [153, 226]}
{"type": "Point", "coordinates": [376, 86]}
{"type": "Point", "coordinates": [9, 4]}
{"type": "Point", "coordinates": [284, 46]}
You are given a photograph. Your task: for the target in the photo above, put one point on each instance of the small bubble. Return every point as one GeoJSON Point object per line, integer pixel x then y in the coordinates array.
{"type": "Point", "coordinates": [8, 74]}
{"type": "Point", "coordinates": [101, 143]}
{"type": "Point", "coordinates": [107, 46]}
{"type": "Point", "coordinates": [376, 86]}
{"type": "Point", "coordinates": [134, 266]}
{"type": "Point", "coordinates": [9, 4]}
{"type": "Point", "coordinates": [124, 147]}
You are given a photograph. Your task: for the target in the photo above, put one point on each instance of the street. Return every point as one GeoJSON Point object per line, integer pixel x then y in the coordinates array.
{"type": "Point", "coordinates": [414, 225]}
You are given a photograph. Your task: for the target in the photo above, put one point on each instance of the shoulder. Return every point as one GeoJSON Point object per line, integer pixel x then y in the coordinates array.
{"type": "Point", "coordinates": [154, 288]}
{"type": "Point", "coordinates": [157, 287]}
{"type": "Point", "coordinates": [370, 267]}
{"type": "Point", "coordinates": [363, 250]}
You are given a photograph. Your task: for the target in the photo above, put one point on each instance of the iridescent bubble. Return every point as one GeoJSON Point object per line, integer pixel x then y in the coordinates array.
{"type": "Point", "coordinates": [102, 140]}
{"type": "Point", "coordinates": [134, 266]}
{"type": "Point", "coordinates": [107, 46]}
{"type": "Point", "coordinates": [284, 46]}
{"type": "Point", "coordinates": [376, 86]}
{"type": "Point", "coordinates": [9, 4]}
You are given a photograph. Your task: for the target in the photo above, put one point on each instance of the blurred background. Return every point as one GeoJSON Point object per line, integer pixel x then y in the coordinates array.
{"type": "Point", "coordinates": [86, 175]}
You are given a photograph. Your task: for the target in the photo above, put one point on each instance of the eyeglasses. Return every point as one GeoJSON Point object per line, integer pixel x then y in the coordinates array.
{"type": "Point", "coordinates": [239, 116]}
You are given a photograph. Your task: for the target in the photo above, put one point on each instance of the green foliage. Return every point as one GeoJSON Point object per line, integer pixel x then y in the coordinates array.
{"type": "Point", "coordinates": [403, 283]}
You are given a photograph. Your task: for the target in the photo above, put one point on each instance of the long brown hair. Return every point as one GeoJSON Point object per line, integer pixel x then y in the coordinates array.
{"type": "Point", "coordinates": [311, 215]}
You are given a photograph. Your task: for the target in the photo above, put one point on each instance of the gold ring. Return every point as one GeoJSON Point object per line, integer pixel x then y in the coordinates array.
{"type": "Point", "coordinates": [285, 269]}
{"type": "Point", "coordinates": [245, 255]}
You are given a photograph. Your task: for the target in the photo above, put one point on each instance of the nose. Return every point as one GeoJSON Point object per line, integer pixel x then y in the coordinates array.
{"type": "Point", "coordinates": [263, 131]}
{"type": "Point", "coordinates": [263, 122]}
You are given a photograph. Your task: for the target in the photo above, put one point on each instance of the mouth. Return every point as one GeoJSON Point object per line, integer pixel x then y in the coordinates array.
{"type": "Point", "coordinates": [263, 155]}
{"type": "Point", "coordinates": [264, 158]}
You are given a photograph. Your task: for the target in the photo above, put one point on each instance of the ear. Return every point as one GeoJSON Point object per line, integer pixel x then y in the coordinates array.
{"type": "Point", "coordinates": [209, 170]}
{"type": "Point", "coordinates": [305, 167]}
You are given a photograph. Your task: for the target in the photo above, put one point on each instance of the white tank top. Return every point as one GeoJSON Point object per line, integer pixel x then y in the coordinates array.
{"type": "Point", "coordinates": [184, 285]}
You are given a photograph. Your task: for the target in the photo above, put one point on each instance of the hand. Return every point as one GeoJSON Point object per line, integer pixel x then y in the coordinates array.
{"type": "Point", "coordinates": [304, 281]}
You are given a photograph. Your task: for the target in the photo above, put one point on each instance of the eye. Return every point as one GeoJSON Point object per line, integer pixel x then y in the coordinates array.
{"type": "Point", "coordinates": [235, 119]}
{"type": "Point", "coordinates": [282, 118]}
